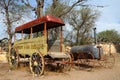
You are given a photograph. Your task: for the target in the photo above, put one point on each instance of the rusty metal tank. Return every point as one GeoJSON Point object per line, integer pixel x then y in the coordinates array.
{"type": "Point", "coordinates": [93, 49]}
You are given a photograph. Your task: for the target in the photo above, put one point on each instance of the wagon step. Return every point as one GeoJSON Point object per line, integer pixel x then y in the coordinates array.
{"type": "Point", "coordinates": [59, 55]}
{"type": "Point", "coordinates": [58, 62]}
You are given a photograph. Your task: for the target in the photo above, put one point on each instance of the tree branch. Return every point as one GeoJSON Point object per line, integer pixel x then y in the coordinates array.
{"type": "Point", "coordinates": [27, 3]}
{"type": "Point", "coordinates": [5, 6]}
{"type": "Point", "coordinates": [16, 19]}
{"type": "Point", "coordinates": [67, 11]}
{"type": "Point", "coordinates": [9, 2]}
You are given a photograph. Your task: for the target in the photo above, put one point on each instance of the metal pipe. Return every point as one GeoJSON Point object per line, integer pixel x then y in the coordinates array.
{"type": "Point", "coordinates": [95, 37]}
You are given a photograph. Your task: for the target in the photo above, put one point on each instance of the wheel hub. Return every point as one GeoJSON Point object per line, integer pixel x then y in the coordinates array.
{"type": "Point", "coordinates": [13, 57]}
{"type": "Point", "coordinates": [35, 63]}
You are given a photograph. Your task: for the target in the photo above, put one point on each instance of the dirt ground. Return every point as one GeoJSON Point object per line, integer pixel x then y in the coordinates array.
{"type": "Point", "coordinates": [98, 73]}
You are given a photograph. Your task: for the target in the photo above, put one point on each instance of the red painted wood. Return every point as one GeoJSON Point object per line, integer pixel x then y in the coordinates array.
{"type": "Point", "coordinates": [48, 19]}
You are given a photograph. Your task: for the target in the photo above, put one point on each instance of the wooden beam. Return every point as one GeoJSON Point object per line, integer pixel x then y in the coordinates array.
{"type": "Point", "coordinates": [47, 36]}
{"type": "Point", "coordinates": [31, 31]}
{"type": "Point", "coordinates": [45, 31]}
{"type": "Point", "coordinates": [22, 35]}
{"type": "Point", "coordinates": [61, 39]}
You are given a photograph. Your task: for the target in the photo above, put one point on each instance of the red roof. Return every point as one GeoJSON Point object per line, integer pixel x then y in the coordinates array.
{"type": "Point", "coordinates": [38, 24]}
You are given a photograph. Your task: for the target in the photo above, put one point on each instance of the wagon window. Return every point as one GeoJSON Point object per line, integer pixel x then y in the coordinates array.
{"type": "Point", "coordinates": [38, 34]}
{"type": "Point", "coordinates": [19, 36]}
{"type": "Point", "coordinates": [54, 34]}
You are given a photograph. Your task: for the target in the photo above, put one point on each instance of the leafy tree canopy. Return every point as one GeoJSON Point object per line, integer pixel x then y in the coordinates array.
{"type": "Point", "coordinates": [108, 36]}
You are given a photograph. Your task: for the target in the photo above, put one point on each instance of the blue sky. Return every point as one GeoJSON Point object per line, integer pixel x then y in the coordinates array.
{"type": "Point", "coordinates": [109, 18]}
{"type": "Point", "coordinates": [110, 15]}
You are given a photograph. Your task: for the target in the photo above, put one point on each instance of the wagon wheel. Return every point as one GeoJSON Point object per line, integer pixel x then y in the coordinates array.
{"type": "Point", "coordinates": [13, 59]}
{"type": "Point", "coordinates": [86, 62]}
{"type": "Point", "coordinates": [67, 63]}
{"type": "Point", "coordinates": [107, 60]}
{"type": "Point", "coordinates": [37, 64]}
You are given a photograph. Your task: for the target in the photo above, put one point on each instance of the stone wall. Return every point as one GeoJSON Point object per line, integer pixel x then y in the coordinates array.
{"type": "Point", "coordinates": [3, 58]}
{"type": "Point", "coordinates": [108, 47]}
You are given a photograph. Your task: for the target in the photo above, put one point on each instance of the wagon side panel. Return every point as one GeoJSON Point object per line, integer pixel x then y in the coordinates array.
{"type": "Point", "coordinates": [29, 46]}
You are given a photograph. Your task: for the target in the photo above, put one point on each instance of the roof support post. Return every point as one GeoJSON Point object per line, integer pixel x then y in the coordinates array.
{"type": "Point", "coordinates": [22, 35]}
{"type": "Point", "coordinates": [31, 31]}
{"type": "Point", "coordinates": [61, 39]}
{"type": "Point", "coordinates": [45, 31]}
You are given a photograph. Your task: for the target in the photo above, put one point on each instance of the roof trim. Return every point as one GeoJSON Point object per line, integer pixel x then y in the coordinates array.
{"type": "Point", "coordinates": [39, 21]}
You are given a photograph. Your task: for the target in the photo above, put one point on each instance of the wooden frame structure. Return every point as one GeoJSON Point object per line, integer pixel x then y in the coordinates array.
{"type": "Point", "coordinates": [43, 24]}
{"type": "Point", "coordinates": [36, 49]}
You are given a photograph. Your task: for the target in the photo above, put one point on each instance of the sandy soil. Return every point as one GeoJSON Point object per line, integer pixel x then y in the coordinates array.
{"type": "Point", "coordinates": [98, 73]}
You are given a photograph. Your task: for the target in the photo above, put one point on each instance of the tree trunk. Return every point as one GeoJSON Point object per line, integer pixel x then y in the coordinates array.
{"type": "Point", "coordinates": [8, 30]}
{"type": "Point", "coordinates": [54, 4]}
{"type": "Point", "coordinates": [77, 37]}
{"type": "Point", "coordinates": [40, 5]}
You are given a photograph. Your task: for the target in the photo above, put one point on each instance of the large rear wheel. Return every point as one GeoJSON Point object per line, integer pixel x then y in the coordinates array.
{"type": "Point", "coordinates": [37, 64]}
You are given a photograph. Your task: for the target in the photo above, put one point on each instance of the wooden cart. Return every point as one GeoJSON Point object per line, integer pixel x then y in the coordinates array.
{"type": "Point", "coordinates": [37, 45]}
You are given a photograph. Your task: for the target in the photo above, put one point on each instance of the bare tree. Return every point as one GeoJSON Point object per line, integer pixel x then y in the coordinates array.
{"type": "Point", "coordinates": [11, 11]}
{"type": "Point", "coordinates": [38, 10]}
{"type": "Point", "coordinates": [82, 22]}
{"type": "Point", "coordinates": [54, 6]}
{"type": "Point", "coordinates": [61, 8]}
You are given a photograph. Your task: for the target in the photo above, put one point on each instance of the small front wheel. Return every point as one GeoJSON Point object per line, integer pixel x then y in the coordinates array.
{"type": "Point", "coordinates": [86, 62]}
{"type": "Point", "coordinates": [13, 59]}
{"type": "Point", "coordinates": [37, 64]}
{"type": "Point", "coordinates": [107, 60]}
{"type": "Point", "coordinates": [68, 63]}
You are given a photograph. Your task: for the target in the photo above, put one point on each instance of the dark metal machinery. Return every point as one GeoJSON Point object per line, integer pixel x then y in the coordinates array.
{"type": "Point", "coordinates": [87, 55]}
